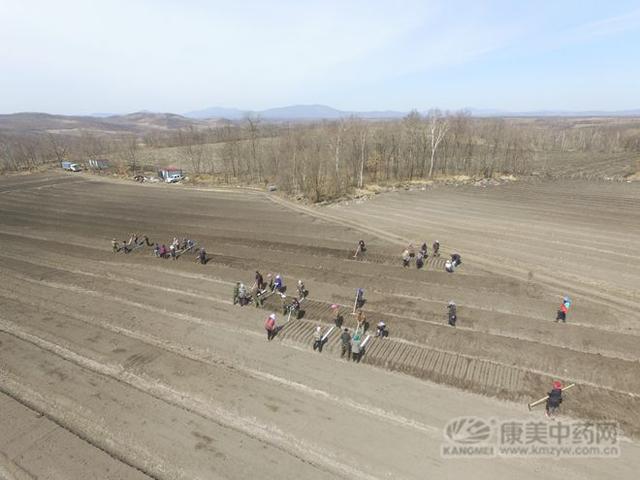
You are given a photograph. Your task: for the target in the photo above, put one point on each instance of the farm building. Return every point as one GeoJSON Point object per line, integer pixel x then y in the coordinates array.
{"type": "Point", "coordinates": [100, 164]}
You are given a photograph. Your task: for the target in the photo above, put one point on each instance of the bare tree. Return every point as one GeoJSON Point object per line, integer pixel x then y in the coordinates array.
{"type": "Point", "coordinates": [131, 151]}
{"type": "Point", "coordinates": [412, 124]}
{"type": "Point", "coordinates": [253, 125]}
{"type": "Point", "coordinates": [93, 146]}
{"type": "Point", "coordinates": [7, 155]}
{"type": "Point", "coordinates": [336, 137]}
{"type": "Point", "coordinates": [59, 147]}
{"type": "Point", "coordinates": [230, 158]}
{"type": "Point", "coordinates": [438, 126]}
{"type": "Point", "coordinates": [328, 159]}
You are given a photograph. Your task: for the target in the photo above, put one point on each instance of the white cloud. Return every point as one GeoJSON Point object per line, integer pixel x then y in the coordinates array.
{"type": "Point", "coordinates": [607, 26]}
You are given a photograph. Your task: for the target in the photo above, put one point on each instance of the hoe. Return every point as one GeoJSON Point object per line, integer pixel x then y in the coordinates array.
{"type": "Point", "coordinates": [544, 399]}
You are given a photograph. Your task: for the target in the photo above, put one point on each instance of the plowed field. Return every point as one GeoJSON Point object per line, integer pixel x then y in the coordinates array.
{"type": "Point", "coordinates": [131, 366]}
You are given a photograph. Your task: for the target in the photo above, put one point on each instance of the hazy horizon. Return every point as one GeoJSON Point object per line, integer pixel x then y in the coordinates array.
{"type": "Point", "coordinates": [73, 57]}
{"type": "Point", "coordinates": [307, 111]}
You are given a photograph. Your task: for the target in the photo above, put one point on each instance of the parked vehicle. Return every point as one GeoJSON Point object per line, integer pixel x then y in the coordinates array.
{"type": "Point", "coordinates": [71, 167]}
{"type": "Point", "coordinates": [174, 177]}
{"type": "Point", "coordinates": [171, 175]}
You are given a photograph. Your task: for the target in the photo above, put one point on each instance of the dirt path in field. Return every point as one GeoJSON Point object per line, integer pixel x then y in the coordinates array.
{"type": "Point", "coordinates": [147, 367]}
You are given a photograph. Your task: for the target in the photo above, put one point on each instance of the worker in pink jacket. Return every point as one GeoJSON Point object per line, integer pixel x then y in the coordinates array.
{"type": "Point", "coordinates": [270, 326]}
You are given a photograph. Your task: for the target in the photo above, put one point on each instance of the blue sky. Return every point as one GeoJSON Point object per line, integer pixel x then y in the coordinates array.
{"type": "Point", "coordinates": [84, 56]}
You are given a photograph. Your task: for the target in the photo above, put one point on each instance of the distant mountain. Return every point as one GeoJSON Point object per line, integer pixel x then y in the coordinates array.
{"type": "Point", "coordinates": [144, 122]}
{"type": "Point", "coordinates": [219, 112]}
{"type": "Point", "coordinates": [138, 122]}
{"type": "Point", "coordinates": [42, 122]}
{"type": "Point", "coordinates": [302, 112]}
{"type": "Point", "coordinates": [480, 112]}
{"type": "Point", "coordinates": [291, 112]}
{"type": "Point", "coordinates": [382, 114]}
{"type": "Point", "coordinates": [585, 113]}
{"type": "Point", "coordinates": [103, 114]}
{"type": "Point", "coordinates": [168, 121]}
{"type": "Point", "coordinates": [486, 112]}
{"type": "Point", "coordinates": [324, 112]}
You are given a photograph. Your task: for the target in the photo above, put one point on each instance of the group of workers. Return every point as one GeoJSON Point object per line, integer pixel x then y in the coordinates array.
{"type": "Point", "coordinates": [420, 257]}
{"type": "Point", "coordinates": [351, 340]}
{"type": "Point", "coordinates": [352, 343]}
{"type": "Point", "coordinates": [351, 348]}
{"type": "Point", "coordinates": [261, 289]}
{"type": "Point", "coordinates": [126, 246]}
{"type": "Point", "coordinates": [409, 254]}
{"type": "Point", "coordinates": [176, 248]}
{"type": "Point", "coordinates": [454, 262]}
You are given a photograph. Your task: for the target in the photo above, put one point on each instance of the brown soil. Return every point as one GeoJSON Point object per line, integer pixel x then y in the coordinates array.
{"type": "Point", "coordinates": [145, 368]}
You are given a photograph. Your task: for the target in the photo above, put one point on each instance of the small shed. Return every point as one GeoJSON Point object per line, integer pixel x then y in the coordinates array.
{"type": "Point", "coordinates": [99, 164]}
{"type": "Point", "coordinates": [168, 172]}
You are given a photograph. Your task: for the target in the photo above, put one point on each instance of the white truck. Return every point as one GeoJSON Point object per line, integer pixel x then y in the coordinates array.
{"type": "Point", "coordinates": [71, 167]}
{"type": "Point", "coordinates": [174, 177]}
{"type": "Point", "coordinates": [171, 175]}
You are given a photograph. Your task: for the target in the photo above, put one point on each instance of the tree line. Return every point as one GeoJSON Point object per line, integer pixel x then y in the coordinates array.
{"type": "Point", "coordinates": [325, 160]}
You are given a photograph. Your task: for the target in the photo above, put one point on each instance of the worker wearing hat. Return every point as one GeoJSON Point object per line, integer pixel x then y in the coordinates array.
{"type": "Point", "coordinates": [554, 398]}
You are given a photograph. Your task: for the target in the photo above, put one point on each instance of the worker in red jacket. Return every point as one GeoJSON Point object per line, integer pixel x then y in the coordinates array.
{"type": "Point", "coordinates": [270, 326]}
{"type": "Point", "coordinates": [564, 308]}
